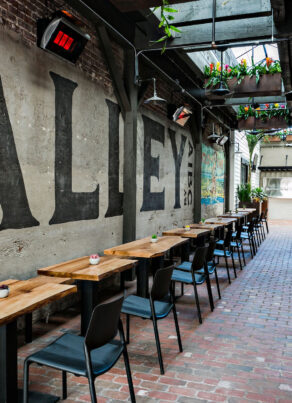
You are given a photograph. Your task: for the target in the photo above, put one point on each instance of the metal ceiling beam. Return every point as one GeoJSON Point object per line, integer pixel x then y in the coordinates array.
{"type": "Point", "coordinates": [200, 12]}
{"type": "Point", "coordinates": [246, 29]}
{"type": "Point", "coordinates": [134, 5]}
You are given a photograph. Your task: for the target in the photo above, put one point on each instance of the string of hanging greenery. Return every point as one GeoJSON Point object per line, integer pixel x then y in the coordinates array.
{"type": "Point", "coordinates": [166, 18]}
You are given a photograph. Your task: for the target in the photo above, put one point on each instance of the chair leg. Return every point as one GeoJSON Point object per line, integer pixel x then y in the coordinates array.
{"type": "Point", "coordinates": [251, 248]}
{"type": "Point", "coordinates": [92, 388]}
{"type": "Point", "coordinates": [177, 328]}
{"type": "Point", "coordinates": [64, 385]}
{"type": "Point", "coordinates": [26, 380]}
{"type": "Point", "coordinates": [182, 289]}
{"type": "Point", "coordinates": [227, 268]}
{"type": "Point", "coordinates": [217, 282]}
{"type": "Point", "coordinates": [128, 328]}
{"type": "Point", "coordinates": [267, 226]}
{"type": "Point", "coordinates": [197, 303]}
{"type": "Point", "coordinates": [242, 251]}
{"type": "Point", "coordinates": [129, 375]}
{"type": "Point", "coordinates": [239, 258]}
{"type": "Point", "coordinates": [233, 264]}
{"type": "Point", "coordinates": [158, 345]}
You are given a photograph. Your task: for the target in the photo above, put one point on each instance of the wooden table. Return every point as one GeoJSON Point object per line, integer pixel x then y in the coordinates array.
{"type": "Point", "coordinates": [223, 221]}
{"type": "Point", "coordinates": [211, 227]}
{"type": "Point", "coordinates": [88, 275]}
{"type": "Point", "coordinates": [192, 233]}
{"type": "Point", "coordinates": [145, 250]}
{"type": "Point", "coordinates": [25, 296]}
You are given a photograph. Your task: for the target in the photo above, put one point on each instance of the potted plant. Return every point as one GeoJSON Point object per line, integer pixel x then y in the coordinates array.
{"type": "Point", "coordinates": [246, 81]}
{"type": "Point", "coordinates": [4, 291]}
{"type": "Point", "coordinates": [154, 238]}
{"type": "Point", "coordinates": [244, 194]}
{"type": "Point", "coordinates": [272, 116]}
{"type": "Point", "coordinates": [94, 259]}
{"type": "Point", "coordinates": [187, 228]}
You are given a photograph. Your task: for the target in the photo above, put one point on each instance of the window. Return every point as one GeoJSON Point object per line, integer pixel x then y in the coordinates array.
{"type": "Point", "coordinates": [244, 171]}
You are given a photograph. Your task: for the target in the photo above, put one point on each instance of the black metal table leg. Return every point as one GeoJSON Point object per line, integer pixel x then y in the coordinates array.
{"type": "Point", "coordinates": [8, 369]}
{"type": "Point", "coordinates": [28, 328]}
{"type": "Point", "coordinates": [89, 293]}
{"type": "Point", "coordinates": [142, 272]}
{"type": "Point", "coordinates": [185, 251]}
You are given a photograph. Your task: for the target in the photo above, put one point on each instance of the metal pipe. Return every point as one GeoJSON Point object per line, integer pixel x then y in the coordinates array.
{"type": "Point", "coordinates": [200, 47]}
{"type": "Point", "coordinates": [187, 93]}
{"type": "Point", "coordinates": [214, 24]}
{"type": "Point", "coordinates": [101, 19]}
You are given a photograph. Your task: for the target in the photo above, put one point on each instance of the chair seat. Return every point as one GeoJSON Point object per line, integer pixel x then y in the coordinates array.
{"type": "Point", "coordinates": [222, 253]}
{"type": "Point", "coordinates": [234, 244]}
{"type": "Point", "coordinates": [186, 277]}
{"type": "Point", "coordinates": [187, 266]}
{"type": "Point", "coordinates": [67, 354]}
{"type": "Point", "coordinates": [245, 235]}
{"type": "Point", "coordinates": [220, 242]}
{"type": "Point", "coordinates": [138, 306]}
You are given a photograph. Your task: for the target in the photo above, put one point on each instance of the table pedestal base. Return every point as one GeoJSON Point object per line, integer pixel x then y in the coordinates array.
{"type": "Point", "coordinates": [36, 397]}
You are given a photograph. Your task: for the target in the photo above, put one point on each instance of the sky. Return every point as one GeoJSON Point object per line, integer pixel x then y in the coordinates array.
{"type": "Point", "coordinates": [259, 54]}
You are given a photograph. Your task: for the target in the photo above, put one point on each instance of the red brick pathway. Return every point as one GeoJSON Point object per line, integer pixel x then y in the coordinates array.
{"type": "Point", "coordinates": [241, 353]}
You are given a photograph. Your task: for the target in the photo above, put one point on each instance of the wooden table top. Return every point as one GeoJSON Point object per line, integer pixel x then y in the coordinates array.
{"type": "Point", "coordinates": [248, 210]}
{"type": "Point", "coordinates": [26, 296]}
{"type": "Point", "coordinates": [224, 221]}
{"type": "Point", "coordinates": [144, 248]}
{"type": "Point", "coordinates": [192, 233]}
{"type": "Point", "coordinates": [81, 269]}
{"type": "Point", "coordinates": [211, 227]}
{"type": "Point", "coordinates": [233, 215]}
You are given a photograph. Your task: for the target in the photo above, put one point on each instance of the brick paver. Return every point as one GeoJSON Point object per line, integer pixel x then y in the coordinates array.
{"type": "Point", "coordinates": [241, 353]}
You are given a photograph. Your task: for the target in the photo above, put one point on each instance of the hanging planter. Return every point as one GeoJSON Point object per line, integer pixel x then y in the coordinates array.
{"type": "Point", "coordinates": [244, 81]}
{"type": "Point", "coordinates": [274, 116]}
{"type": "Point", "coordinates": [258, 124]}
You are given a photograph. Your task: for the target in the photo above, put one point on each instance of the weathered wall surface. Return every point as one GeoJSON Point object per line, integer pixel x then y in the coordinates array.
{"type": "Point", "coordinates": [213, 174]}
{"type": "Point", "coordinates": [61, 163]}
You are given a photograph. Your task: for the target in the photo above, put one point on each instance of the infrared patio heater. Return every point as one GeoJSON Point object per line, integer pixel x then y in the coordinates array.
{"type": "Point", "coordinates": [62, 36]}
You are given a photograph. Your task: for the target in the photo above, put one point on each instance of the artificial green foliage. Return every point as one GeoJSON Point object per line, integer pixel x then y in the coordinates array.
{"type": "Point", "coordinates": [252, 141]}
{"type": "Point", "coordinates": [240, 71]}
{"type": "Point", "coordinates": [258, 194]}
{"type": "Point", "coordinates": [165, 23]}
{"type": "Point", "coordinates": [244, 193]}
{"type": "Point", "coordinates": [268, 112]}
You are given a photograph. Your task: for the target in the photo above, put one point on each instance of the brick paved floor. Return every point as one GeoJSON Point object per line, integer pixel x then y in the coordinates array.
{"type": "Point", "coordinates": [241, 353]}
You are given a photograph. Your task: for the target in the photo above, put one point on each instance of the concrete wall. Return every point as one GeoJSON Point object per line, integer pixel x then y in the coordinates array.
{"type": "Point", "coordinates": [62, 163]}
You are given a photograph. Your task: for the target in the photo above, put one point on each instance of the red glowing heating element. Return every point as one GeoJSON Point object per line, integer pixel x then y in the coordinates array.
{"type": "Point", "coordinates": [63, 40]}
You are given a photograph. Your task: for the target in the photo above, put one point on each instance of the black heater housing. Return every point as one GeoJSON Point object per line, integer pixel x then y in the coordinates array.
{"type": "Point", "coordinates": [62, 37]}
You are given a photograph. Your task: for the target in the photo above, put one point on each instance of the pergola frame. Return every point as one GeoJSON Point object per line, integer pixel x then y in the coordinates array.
{"type": "Point", "coordinates": [136, 37]}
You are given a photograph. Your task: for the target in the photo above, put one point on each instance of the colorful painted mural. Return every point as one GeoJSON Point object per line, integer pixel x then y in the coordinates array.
{"type": "Point", "coordinates": [213, 167]}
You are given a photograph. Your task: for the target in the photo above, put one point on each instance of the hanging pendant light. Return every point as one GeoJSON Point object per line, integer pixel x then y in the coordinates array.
{"type": "Point", "coordinates": [155, 98]}
{"type": "Point", "coordinates": [222, 90]}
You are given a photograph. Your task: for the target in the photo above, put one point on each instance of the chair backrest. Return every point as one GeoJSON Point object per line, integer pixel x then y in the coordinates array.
{"type": "Point", "coordinates": [199, 258]}
{"type": "Point", "coordinates": [227, 239]}
{"type": "Point", "coordinates": [210, 252]}
{"type": "Point", "coordinates": [239, 231]}
{"type": "Point", "coordinates": [161, 283]}
{"type": "Point", "coordinates": [104, 323]}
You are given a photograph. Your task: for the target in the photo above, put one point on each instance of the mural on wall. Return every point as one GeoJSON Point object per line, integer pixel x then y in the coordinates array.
{"type": "Point", "coordinates": [75, 206]}
{"type": "Point", "coordinates": [213, 167]}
